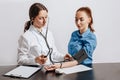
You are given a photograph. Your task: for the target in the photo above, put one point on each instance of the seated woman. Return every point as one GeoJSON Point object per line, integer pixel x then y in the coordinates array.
{"type": "Point", "coordinates": [81, 39]}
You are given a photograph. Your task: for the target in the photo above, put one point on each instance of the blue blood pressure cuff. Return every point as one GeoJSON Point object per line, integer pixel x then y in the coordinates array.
{"type": "Point", "coordinates": [80, 56]}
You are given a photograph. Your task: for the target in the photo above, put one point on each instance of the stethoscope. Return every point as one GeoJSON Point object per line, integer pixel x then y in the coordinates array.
{"type": "Point", "coordinates": [50, 49]}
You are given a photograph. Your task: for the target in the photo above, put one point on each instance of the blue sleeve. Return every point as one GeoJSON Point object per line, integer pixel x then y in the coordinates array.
{"type": "Point", "coordinates": [90, 45]}
{"type": "Point", "coordinates": [74, 44]}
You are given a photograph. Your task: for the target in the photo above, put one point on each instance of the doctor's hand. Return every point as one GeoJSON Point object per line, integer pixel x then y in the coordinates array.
{"type": "Point", "coordinates": [68, 57]}
{"type": "Point", "coordinates": [41, 59]}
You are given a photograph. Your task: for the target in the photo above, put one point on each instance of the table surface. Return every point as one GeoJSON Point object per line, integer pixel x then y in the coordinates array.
{"type": "Point", "coordinates": [100, 71]}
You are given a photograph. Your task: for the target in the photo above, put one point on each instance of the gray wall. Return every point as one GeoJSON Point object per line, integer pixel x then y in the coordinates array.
{"type": "Point", "coordinates": [14, 13]}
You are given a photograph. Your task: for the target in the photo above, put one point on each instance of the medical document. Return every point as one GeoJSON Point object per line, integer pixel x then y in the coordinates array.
{"type": "Point", "coordinates": [74, 69]}
{"type": "Point", "coordinates": [22, 71]}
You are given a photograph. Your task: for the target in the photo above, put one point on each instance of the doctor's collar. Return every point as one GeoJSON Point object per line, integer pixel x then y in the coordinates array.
{"type": "Point", "coordinates": [37, 30]}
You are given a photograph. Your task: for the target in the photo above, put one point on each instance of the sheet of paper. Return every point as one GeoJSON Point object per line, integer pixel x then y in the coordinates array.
{"type": "Point", "coordinates": [74, 69]}
{"type": "Point", "coordinates": [22, 71]}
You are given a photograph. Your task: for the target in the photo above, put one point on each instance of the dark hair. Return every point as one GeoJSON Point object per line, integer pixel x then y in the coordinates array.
{"type": "Point", "coordinates": [87, 10]}
{"type": "Point", "coordinates": [33, 12]}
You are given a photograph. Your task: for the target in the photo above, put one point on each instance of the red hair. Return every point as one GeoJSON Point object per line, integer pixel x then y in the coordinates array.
{"type": "Point", "coordinates": [87, 10]}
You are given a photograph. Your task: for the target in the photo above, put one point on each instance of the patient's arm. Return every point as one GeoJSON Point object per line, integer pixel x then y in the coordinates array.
{"type": "Point", "coordinates": [61, 65]}
{"type": "Point", "coordinates": [69, 64]}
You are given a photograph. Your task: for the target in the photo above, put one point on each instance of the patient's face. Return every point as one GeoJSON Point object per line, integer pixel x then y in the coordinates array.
{"type": "Point", "coordinates": [82, 20]}
{"type": "Point", "coordinates": [40, 20]}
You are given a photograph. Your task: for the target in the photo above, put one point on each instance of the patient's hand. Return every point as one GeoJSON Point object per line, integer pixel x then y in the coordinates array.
{"type": "Point", "coordinates": [52, 67]}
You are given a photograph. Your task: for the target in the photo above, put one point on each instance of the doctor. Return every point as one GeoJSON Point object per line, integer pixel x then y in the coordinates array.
{"type": "Point", "coordinates": [36, 45]}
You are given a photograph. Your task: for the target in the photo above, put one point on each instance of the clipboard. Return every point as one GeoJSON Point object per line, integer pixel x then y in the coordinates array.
{"type": "Point", "coordinates": [22, 72]}
{"type": "Point", "coordinates": [73, 69]}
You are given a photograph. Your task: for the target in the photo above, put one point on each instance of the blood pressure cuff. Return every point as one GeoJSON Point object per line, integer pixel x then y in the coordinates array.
{"type": "Point", "coordinates": [80, 56]}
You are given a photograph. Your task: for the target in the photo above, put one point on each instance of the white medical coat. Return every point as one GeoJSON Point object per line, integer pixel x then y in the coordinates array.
{"type": "Point", "coordinates": [31, 44]}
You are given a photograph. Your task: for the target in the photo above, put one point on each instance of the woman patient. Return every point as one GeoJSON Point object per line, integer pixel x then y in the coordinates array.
{"type": "Point", "coordinates": [81, 39]}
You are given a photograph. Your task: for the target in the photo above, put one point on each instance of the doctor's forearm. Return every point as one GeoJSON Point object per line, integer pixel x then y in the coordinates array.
{"type": "Point", "coordinates": [27, 61]}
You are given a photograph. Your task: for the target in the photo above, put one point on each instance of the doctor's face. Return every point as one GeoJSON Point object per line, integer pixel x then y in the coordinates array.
{"type": "Point", "coordinates": [40, 20]}
{"type": "Point", "coordinates": [82, 20]}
